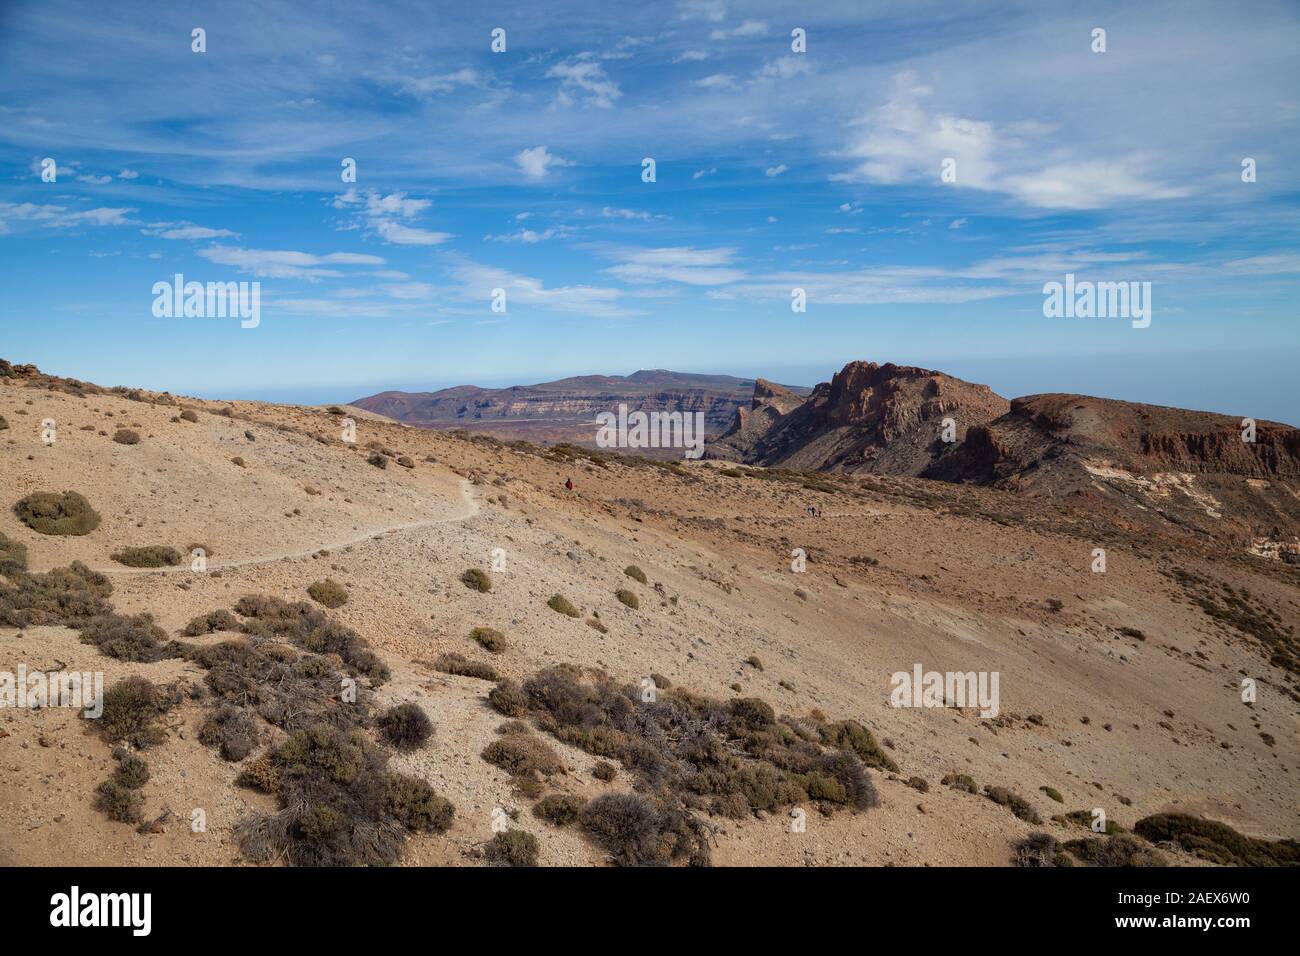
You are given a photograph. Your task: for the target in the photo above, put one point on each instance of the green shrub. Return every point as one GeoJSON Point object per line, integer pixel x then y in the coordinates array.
{"type": "Point", "coordinates": [559, 809]}
{"type": "Point", "coordinates": [635, 573]}
{"type": "Point", "coordinates": [512, 848]}
{"type": "Point", "coordinates": [627, 597]}
{"type": "Point", "coordinates": [329, 593]}
{"type": "Point", "coordinates": [851, 735]}
{"type": "Point", "coordinates": [476, 579]}
{"type": "Point", "coordinates": [563, 605]}
{"type": "Point", "coordinates": [69, 596]}
{"type": "Point", "coordinates": [488, 638]}
{"type": "Point", "coordinates": [149, 556]}
{"type": "Point", "coordinates": [1053, 794]}
{"type": "Point", "coordinates": [406, 726]}
{"type": "Point", "coordinates": [64, 514]}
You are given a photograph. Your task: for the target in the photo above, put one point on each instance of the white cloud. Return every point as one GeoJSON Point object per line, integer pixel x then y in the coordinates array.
{"type": "Point", "coordinates": [285, 264]}
{"type": "Point", "coordinates": [185, 230]}
{"type": "Point", "coordinates": [611, 213]}
{"type": "Point", "coordinates": [426, 86]}
{"type": "Point", "coordinates": [583, 77]}
{"type": "Point", "coordinates": [905, 142]}
{"type": "Point", "coordinates": [711, 10]}
{"type": "Point", "coordinates": [676, 264]}
{"type": "Point", "coordinates": [717, 81]}
{"type": "Point", "coordinates": [537, 161]}
{"type": "Point", "coordinates": [957, 223]}
{"type": "Point", "coordinates": [783, 68]}
{"type": "Point", "coordinates": [60, 217]}
{"type": "Point", "coordinates": [128, 174]}
{"type": "Point", "coordinates": [403, 235]}
{"type": "Point", "coordinates": [691, 56]}
{"type": "Point", "coordinates": [749, 28]}
{"type": "Point", "coordinates": [478, 281]}
{"type": "Point", "coordinates": [94, 180]}
{"type": "Point", "coordinates": [776, 170]}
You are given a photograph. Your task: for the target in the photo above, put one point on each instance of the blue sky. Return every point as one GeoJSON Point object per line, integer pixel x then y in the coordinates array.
{"type": "Point", "coordinates": [775, 169]}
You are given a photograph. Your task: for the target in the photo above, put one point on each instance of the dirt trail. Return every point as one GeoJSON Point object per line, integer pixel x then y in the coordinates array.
{"type": "Point", "coordinates": [471, 509]}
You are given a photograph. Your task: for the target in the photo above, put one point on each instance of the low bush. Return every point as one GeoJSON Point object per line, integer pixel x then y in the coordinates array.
{"type": "Point", "coordinates": [133, 710]}
{"type": "Point", "coordinates": [635, 573]}
{"type": "Point", "coordinates": [628, 598]}
{"type": "Point", "coordinates": [507, 698]}
{"type": "Point", "coordinates": [512, 848]}
{"type": "Point", "coordinates": [1216, 842]}
{"type": "Point", "coordinates": [559, 809]}
{"type": "Point", "coordinates": [523, 755]}
{"type": "Point", "coordinates": [329, 593]}
{"type": "Point", "coordinates": [460, 666]}
{"type": "Point", "coordinates": [120, 803]}
{"type": "Point", "coordinates": [406, 726]}
{"type": "Point", "coordinates": [476, 579]}
{"type": "Point", "coordinates": [219, 620]}
{"type": "Point", "coordinates": [231, 729]}
{"type": "Point", "coordinates": [1036, 850]}
{"type": "Point", "coordinates": [149, 556]}
{"type": "Point", "coordinates": [1053, 794]}
{"type": "Point", "coordinates": [13, 555]}
{"type": "Point", "coordinates": [67, 513]}
{"type": "Point", "coordinates": [1122, 850]}
{"type": "Point", "coordinates": [637, 831]}
{"type": "Point", "coordinates": [1018, 805]}
{"type": "Point", "coordinates": [125, 436]}
{"type": "Point", "coordinates": [135, 638]}
{"type": "Point", "coordinates": [960, 781]}
{"type": "Point", "coordinates": [488, 638]}
{"type": "Point", "coordinates": [563, 605]}
{"type": "Point", "coordinates": [189, 415]}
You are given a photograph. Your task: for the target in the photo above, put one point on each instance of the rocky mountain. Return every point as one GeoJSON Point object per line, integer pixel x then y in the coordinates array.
{"type": "Point", "coordinates": [887, 419]}
{"type": "Point", "coordinates": [1194, 469]}
{"type": "Point", "coordinates": [564, 410]}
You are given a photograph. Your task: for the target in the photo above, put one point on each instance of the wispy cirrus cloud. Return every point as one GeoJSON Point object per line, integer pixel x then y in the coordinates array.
{"type": "Point", "coordinates": [284, 263]}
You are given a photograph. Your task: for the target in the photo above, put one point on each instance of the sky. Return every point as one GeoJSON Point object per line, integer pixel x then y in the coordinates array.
{"type": "Point", "coordinates": [794, 145]}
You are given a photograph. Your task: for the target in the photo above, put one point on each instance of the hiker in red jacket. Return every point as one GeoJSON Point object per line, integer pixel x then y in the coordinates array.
{"type": "Point", "coordinates": [568, 484]}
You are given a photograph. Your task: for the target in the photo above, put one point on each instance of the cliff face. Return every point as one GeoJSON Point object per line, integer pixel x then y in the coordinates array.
{"type": "Point", "coordinates": [564, 410]}
{"type": "Point", "coordinates": [883, 418]}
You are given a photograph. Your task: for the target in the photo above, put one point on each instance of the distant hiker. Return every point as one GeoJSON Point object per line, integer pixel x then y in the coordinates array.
{"type": "Point", "coordinates": [568, 484]}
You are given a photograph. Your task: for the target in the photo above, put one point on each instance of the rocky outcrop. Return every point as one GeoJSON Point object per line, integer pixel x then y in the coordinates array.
{"type": "Point", "coordinates": [868, 417]}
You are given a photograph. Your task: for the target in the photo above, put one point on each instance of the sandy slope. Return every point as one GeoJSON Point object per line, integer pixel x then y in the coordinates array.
{"type": "Point", "coordinates": [954, 589]}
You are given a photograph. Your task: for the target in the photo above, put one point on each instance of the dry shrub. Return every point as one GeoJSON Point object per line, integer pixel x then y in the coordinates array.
{"type": "Point", "coordinates": [135, 638]}
{"type": "Point", "coordinates": [1122, 850]}
{"type": "Point", "coordinates": [232, 729]}
{"type": "Point", "coordinates": [133, 710]}
{"type": "Point", "coordinates": [628, 598]}
{"type": "Point", "coordinates": [460, 666]}
{"type": "Point", "coordinates": [219, 620]}
{"type": "Point", "coordinates": [523, 755]}
{"type": "Point", "coordinates": [65, 514]}
{"type": "Point", "coordinates": [476, 579]}
{"type": "Point", "coordinates": [1216, 842]}
{"type": "Point", "coordinates": [635, 573]}
{"type": "Point", "coordinates": [1036, 850]}
{"type": "Point", "coordinates": [69, 596]}
{"type": "Point", "coordinates": [406, 726]}
{"type": "Point", "coordinates": [1021, 807]}
{"type": "Point", "coordinates": [378, 460]}
{"type": "Point", "coordinates": [733, 757]}
{"type": "Point", "coordinates": [559, 809]}
{"type": "Point", "coordinates": [329, 593]}
{"type": "Point", "coordinates": [13, 555]}
{"type": "Point", "coordinates": [189, 415]}
{"type": "Point", "coordinates": [563, 605]}
{"type": "Point", "coordinates": [340, 805]}
{"type": "Point", "coordinates": [637, 831]}
{"type": "Point", "coordinates": [125, 436]}
{"type": "Point", "coordinates": [149, 556]}
{"type": "Point", "coordinates": [120, 803]}
{"type": "Point", "coordinates": [960, 781]}
{"type": "Point", "coordinates": [489, 638]}
{"type": "Point", "coordinates": [512, 848]}
{"type": "Point", "coordinates": [310, 628]}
